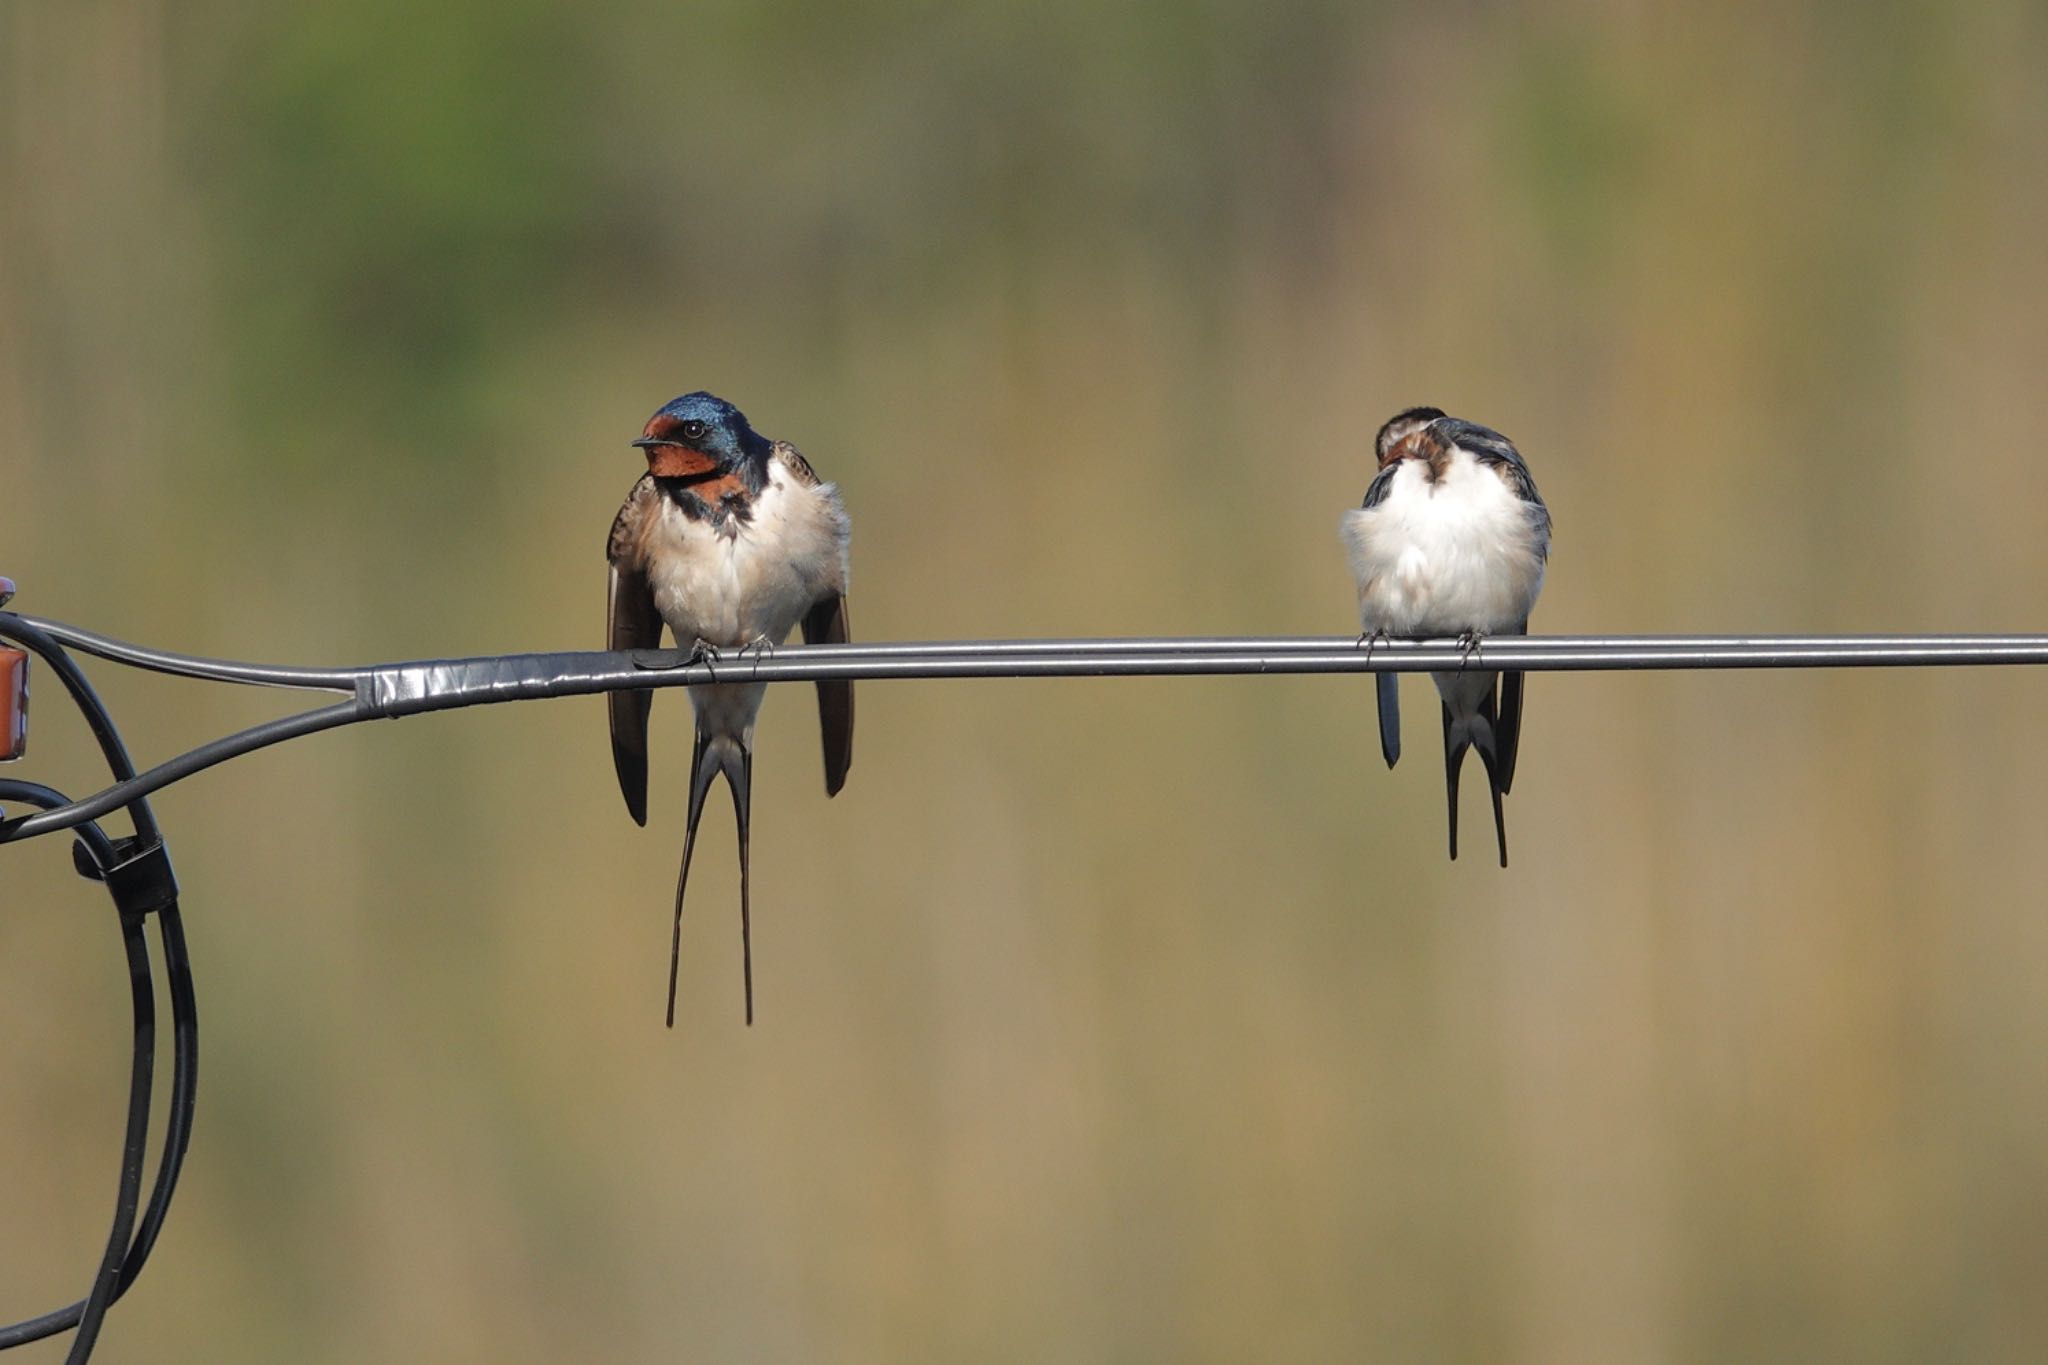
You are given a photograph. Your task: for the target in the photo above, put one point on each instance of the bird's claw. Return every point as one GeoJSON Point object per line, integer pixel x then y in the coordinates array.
{"type": "Point", "coordinates": [1468, 648]}
{"type": "Point", "coordinates": [1371, 640]}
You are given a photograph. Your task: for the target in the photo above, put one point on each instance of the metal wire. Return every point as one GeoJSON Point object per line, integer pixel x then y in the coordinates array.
{"type": "Point", "coordinates": [192, 666]}
{"type": "Point", "coordinates": [1073, 657]}
{"type": "Point", "coordinates": [381, 691]}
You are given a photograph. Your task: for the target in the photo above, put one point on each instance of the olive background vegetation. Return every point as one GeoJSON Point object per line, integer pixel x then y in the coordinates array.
{"type": "Point", "coordinates": [1101, 1020]}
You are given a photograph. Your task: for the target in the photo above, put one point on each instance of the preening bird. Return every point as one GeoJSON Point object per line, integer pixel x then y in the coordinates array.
{"type": "Point", "coordinates": [1452, 540]}
{"type": "Point", "coordinates": [732, 540]}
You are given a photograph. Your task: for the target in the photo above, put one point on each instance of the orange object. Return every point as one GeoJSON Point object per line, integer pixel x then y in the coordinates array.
{"type": "Point", "coordinates": [13, 703]}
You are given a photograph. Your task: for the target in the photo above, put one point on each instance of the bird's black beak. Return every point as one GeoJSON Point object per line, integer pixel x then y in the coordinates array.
{"type": "Point", "coordinates": [650, 442]}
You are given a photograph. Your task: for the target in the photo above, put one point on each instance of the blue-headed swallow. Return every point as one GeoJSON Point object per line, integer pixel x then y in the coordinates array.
{"type": "Point", "coordinates": [732, 540]}
{"type": "Point", "coordinates": [1452, 540]}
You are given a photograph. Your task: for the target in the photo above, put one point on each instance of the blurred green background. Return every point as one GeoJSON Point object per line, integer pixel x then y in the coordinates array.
{"type": "Point", "coordinates": [1101, 1021]}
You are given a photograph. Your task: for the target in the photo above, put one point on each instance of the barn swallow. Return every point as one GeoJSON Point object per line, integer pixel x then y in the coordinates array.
{"type": "Point", "coordinates": [1452, 539]}
{"type": "Point", "coordinates": [732, 540]}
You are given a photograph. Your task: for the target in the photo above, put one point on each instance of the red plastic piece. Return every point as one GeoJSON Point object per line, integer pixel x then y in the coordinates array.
{"type": "Point", "coordinates": [13, 703]}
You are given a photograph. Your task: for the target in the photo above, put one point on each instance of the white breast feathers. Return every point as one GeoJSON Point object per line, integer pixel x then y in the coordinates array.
{"type": "Point", "coordinates": [1459, 554]}
{"type": "Point", "coordinates": [754, 577]}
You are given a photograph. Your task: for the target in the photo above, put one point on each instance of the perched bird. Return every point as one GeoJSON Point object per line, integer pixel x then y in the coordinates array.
{"type": "Point", "coordinates": [1452, 540]}
{"type": "Point", "coordinates": [732, 540]}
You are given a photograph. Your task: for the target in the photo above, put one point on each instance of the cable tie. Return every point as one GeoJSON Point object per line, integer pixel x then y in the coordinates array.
{"type": "Point", "coordinates": [140, 878]}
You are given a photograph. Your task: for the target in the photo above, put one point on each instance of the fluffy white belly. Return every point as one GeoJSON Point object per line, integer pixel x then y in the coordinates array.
{"type": "Point", "coordinates": [741, 582]}
{"type": "Point", "coordinates": [1445, 558]}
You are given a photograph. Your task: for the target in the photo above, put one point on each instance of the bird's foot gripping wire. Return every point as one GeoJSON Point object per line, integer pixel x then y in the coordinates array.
{"type": "Point", "coordinates": [702, 651]}
{"type": "Point", "coordinates": [1468, 648]}
{"type": "Point", "coordinates": [1371, 640]}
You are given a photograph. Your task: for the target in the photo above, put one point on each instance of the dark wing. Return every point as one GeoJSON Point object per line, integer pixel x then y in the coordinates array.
{"type": "Point", "coordinates": [1498, 453]}
{"type": "Point", "coordinates": [1388, 684]}
{"type": "Point", "coordinates": [1382, 484]}
{"type": "Point", "coordinates": [825, 624]}
{"type": "Point", "coordinates": [1389, 689]}
{"type": "Point", "coordinates": [1507, 727]}
{"type": "Point", "coordinates": [631, 622]}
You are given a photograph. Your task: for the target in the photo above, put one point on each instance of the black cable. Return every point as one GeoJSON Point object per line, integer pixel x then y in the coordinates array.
{"type": "Point", "coordinates": [99, 848]}
{"type": "Point", "coordinates": [177, 1134]}
{"type": "Point", "coordinates": [107, 1284]}
{"type": "Point", "coordinates": [170, 927]}
{"type": "Point", "coordinates": [30, 633]}
{"type": "Point", "coordinates": [87, 1314]}
{"type": "Point", "coordinates": [163, 774]}
{"type": "Point", "coordinates": [138, 876]}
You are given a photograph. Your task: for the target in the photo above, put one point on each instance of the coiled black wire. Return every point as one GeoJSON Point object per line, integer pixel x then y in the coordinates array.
{"type": "Point", "coordinates": [137, 873]}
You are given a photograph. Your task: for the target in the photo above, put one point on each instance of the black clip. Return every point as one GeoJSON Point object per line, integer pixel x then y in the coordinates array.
{"type": "Point", "coordinates": [140, 879]}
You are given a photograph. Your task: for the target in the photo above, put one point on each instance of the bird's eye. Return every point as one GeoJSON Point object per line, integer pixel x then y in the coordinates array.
{"type": "Point", "coordinates": [694, 430]}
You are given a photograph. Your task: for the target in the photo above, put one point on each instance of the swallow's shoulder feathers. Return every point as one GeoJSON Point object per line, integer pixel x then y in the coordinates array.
{"type": "Point", "coordinates": [1382, 484]}
{"type": "Point", "coordinates": [1496, 452]}
{"type": "Point", "coordinates": [626, 546]}
{"type": "Point", "coordinates": [815, 516]}
{"type": "Point", "coordinates": [792, 459]}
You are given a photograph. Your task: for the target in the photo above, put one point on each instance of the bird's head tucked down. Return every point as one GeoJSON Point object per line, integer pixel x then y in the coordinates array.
{"type": "Point", "coordinates": [1399, 428]}
{"type": "Point", "coordinates": [701, 436]}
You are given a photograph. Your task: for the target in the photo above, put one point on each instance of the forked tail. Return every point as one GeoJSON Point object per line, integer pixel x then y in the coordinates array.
{"type": "Point", "coordinates": [1474, 730]}
{"type": "Point", "coordinates": [715, 754]}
